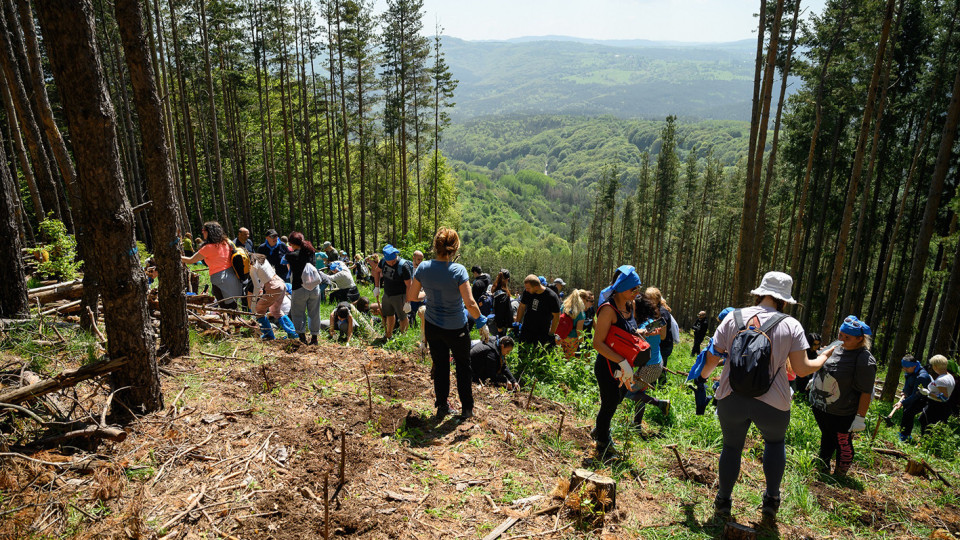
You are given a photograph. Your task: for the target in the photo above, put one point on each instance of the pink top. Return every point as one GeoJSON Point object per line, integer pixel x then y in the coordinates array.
{"type": "Point", "coordinates": [786, 337]}
{"type": "Point", "coordinates": [217, 256]}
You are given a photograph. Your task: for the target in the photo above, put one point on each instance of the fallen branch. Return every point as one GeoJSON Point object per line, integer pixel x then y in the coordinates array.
{"type": "Point", "coordinates": [93, 324]}
{"type": "Point", "coordinates": [193, 504]}
{"type": "Point", "coordinates": [208, 325]}
{"type": "Point", "coordinates": [895, 453]}
{"type": "Point", "coordinates": [938, 475]}
{"type": "Point", "coordinates": [502, 528]}
{"type": "Point", "coordinates": [91, 431]}
{"type": "Point", "coordinates": [57, 309]}
{"type": "Point", "coordinates": [66, 379]}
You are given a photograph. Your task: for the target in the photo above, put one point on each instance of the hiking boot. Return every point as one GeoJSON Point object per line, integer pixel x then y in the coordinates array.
{"type": "Point", "coordinates": [466, 413]}
{"type": "Point", "coordinates": [303, 338]}
{"type": "Point", "coordinates": [664, 406]}
{"type": "Point", "coordinates": [445, 410]}
{"type": "Point", "coordinates": [722, 506]}
{"type": "Point", "coordinates": [606, 448]}
{"type": "Point", "coordinates": [313, 339]}
{"type": "Point", "coordinates": [638, 416]}
{"type": "Point", "coordinates": [770, 507]}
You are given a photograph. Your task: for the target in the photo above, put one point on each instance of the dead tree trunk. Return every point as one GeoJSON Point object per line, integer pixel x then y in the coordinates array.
{"type": "Point", "coordinates": [166, 244]}
{"type": "Point", "coordinates": [69, 35]}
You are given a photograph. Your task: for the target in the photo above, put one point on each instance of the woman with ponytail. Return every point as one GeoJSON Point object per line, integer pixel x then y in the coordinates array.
{"type": "Point", "coordinates": [305, 300]}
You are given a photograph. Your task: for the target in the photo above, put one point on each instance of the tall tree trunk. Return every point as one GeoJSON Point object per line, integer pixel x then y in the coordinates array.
{"type": "Point", "coordinates": [28, 121]}
{"type": "Point", "coordinates": [21, 152]}
{"type": "Point", "coordinates": [13, 288]}
{"type": "Point", "coordinates": [166, 242]}
{"type": "Point", "coordinates": [922, 249]}
{"type": "Point", "coordinates": [68, 29]}
{"type": "Point", "coordinates": [214, 129]}
{"type": "Point", "coordinates": [829, 314]}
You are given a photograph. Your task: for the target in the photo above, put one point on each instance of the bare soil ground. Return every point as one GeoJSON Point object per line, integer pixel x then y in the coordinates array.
{"type": "Point", "coordinates": [245, 449]}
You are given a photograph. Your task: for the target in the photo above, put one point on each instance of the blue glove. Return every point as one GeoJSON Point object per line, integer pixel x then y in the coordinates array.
{"type": "Point", "coordinates": [713, 350]}
{"type": "Point", "coordinates": [481, 322]}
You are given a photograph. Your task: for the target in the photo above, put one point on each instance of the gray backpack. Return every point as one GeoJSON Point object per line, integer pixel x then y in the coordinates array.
{"type": "Point", "coordinates": [750, 355]}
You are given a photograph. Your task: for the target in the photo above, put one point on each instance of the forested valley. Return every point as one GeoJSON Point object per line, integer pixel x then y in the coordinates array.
{"type": "Point", "coordinates": [826, 148]}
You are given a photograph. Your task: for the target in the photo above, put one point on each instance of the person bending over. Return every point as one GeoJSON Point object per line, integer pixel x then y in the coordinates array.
{"type": "Point", "coordinates": [488, 362]}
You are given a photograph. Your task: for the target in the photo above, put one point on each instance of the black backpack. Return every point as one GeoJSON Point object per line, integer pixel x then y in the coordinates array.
{"type": "Point", "coordinates": [502, 310]}
{"type": "Point", "coordinates": [749, 362]}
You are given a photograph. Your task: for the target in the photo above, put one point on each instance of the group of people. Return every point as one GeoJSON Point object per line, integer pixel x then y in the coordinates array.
{"type": "Point", "coordinates": [766, 357]}
{"type": "Point", "coordinates": [766, 354]}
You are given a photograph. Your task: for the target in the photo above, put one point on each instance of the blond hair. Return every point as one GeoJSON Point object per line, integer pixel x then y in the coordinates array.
{"type": "Point", "coordinates": [939, 361]}
{"type": "Point", "coordinates": [576, 302]}
{"type": "Point", "coordinates": [446, 242]}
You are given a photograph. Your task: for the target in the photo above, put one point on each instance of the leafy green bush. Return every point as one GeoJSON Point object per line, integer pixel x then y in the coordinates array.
{"type": "Point", "coordinates": [57, 257]}
{"type": "Point", "coordinates": [941, 439]}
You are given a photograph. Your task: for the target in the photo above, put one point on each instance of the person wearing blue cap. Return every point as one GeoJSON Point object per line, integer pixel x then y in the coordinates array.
{"type": "Point", "coordinates": [614, 372]}
{"type": "Point", "coordinates": [445, 329]}
{"type": "Point", "coordinates": [841, 394]}
{"type": "Point", "coordinates": [914, 377]}
{"type": "Point", "coordinates": [395, 275]}
{"type": "Point", "coordinates": [769, 411]}
{"type": "Point", "coordinates": [936, 406]}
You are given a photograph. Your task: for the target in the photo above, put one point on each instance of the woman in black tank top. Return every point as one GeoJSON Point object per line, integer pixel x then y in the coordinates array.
{"type": "Point", "coordinates": [613, 372]}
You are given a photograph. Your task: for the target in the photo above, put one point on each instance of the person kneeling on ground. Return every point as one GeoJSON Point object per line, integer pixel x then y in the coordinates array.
{"type": "Point", "coordinates": [488, 362]}
{"type": "Point", "coordinates": [267, 297]}
{"type": "Point", "coordinates": [341, 321]}
{"type": "Point", "coordinates": [936, 407]}
{"type": "Point", "coordinates": [346, 288]}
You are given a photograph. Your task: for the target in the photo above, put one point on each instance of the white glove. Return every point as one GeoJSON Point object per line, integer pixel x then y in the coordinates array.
{"type": "Point", "coordinates": [924, 392]}
{"type": "Point", "coordinates": [625, 373]}
{"type": "Point", "coordinates": [406, 307]}
{"type": "Point", "coordinates": [859, 424]}
{"type": "Point", "coordinates": [376, 291]}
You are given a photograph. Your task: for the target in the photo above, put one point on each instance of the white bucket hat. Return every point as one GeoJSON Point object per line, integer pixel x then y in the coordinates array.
{"type": "Point", "coordinates": [777, 285]}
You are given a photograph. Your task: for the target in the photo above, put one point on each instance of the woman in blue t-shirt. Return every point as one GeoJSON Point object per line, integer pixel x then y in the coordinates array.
{"type": "Point", "coordinates": [447, 288]}
{"type": "Point", "coordinates": [648, 319]}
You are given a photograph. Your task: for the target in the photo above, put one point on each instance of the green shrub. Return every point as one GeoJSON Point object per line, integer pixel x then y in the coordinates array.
{"type": "Point", "coordinates": [57, 257]}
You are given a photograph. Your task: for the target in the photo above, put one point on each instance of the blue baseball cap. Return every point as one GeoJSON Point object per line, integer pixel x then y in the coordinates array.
{"type": "Point", "coordinates": [390, 253]}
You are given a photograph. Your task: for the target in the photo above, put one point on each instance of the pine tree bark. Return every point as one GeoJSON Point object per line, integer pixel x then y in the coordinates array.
{"type": "Point", "coordinates": [28, 122]}
{"type": "Point", "coordinates": [69, 35]}
{"type": "Point", "coordinates": [166, 243]}
{"type": "Point", "coordinates": [13, 287]}
{"type": "Point", "coordinates": [922, 248]}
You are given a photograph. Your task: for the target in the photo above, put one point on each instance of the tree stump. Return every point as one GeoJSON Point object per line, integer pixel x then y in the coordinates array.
{"type": "Point", "coordinates": [916, 468]}
{"type": "Point", "coordinates": [736, 531]}
{"type": "Point", "coordinates": [600, 489]}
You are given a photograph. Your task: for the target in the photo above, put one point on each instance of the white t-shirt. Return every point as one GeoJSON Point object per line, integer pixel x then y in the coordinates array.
{"type": "Point", "coordinates": [786, 337]}
{"type": "Point", "coordinates": [343, 279]}
{"type": "Point", "coordinates": [943, 381]}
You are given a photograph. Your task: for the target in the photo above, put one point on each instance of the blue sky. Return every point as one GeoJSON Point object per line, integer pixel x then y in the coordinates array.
{"type": "Point", "coordinates": [661, 20]}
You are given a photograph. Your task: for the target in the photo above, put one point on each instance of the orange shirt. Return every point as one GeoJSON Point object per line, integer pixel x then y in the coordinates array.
{"type": "Point", "coordinates": [217, 256]}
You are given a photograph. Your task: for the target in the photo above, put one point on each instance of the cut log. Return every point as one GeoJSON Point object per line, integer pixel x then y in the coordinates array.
{"type": "Point", "coordinates": [37, 290]}
{"type": "Point", "coordinates": [603, 489]}
{"type": "Point", "coordinates": [69, 291]}
{"type": "Point", "coordinates": [66, 379]}
{"type": "Point", "coordinates": [62, 309]}
{"type": "Point", "coordinates": [735, 531]}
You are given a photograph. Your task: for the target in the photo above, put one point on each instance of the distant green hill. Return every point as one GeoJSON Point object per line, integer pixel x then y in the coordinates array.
{"type": "Point", "coordinates": [634, 79]}
{"type": "Point", "coordinates": [522, 181]}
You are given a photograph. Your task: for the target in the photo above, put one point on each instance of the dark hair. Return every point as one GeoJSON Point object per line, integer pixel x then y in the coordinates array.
{"type": "Point", "coordinates": [506, 341]}
{"type": "Point", "coordinates": [646, 308]}
{"type": "Point", "coordinates": [780, 303]}
{"type": "Point", "coordinates": [215, 233]}
{"type": "Point", "coordinates": [296, 239]}
{"type": "Point", "coordinates": [343, 311]}
{"type": "Point", "coordinates": [813, 337]}
{"type": "Point", "coordinates": [363, 305]}
{"type": "Point", "coordinates": [501, 281]}
{"type": "Point", "coordinates": [476, 270]}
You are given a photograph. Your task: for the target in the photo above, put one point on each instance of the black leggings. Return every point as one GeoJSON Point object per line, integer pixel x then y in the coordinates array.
{"type": "Point", "coordinates": [736, 413]}
{"type": "Point", "coordinates": [835, 438]}
{"type": "Point", "coordinates": [444, 343]}
{"type": "Point", "coordinates": [611, 394]}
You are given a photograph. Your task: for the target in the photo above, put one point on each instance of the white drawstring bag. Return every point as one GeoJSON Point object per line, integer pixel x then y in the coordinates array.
{"type": "Point", "coordinates": [310, 277]}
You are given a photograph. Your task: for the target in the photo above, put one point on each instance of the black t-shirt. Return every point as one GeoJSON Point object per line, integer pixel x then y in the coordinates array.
{"type": "Point", "coordinates": [274, 255]}
{"type": "Point", "coordinates": [393, 278]}
{"type": "Point", "coordinates": [700, 327]}
{"type": "Point", "coordinates": [665, 314]}
{"type": "Point", "coordinates": [538, 314]}
{"type": "Point", "coordinates": [843, 378]}
{"type": "Point", "coordinates": [298, 261]}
